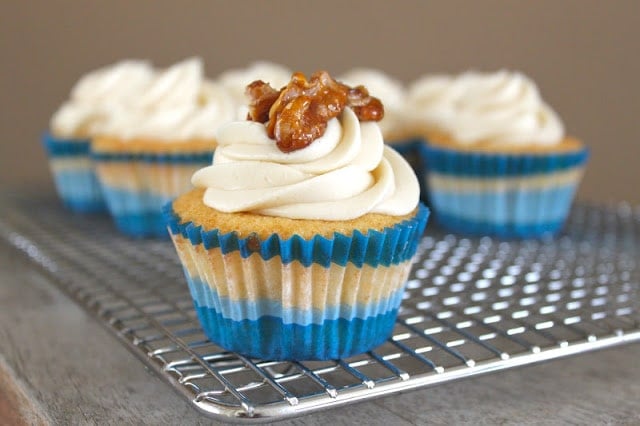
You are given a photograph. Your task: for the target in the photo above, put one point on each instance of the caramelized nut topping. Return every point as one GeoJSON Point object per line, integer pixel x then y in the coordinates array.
{"type": "Point", "coordinates": [262, 96]}
{"type": "Point", "coordinates": [298, 114]}
{"type": "Point", "coordinates": [366, 107]}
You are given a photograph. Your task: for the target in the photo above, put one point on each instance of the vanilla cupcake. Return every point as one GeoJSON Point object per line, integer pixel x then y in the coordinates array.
{"type": "Point", "coordinates": [145, 155]}
{"type": "Point", "coordinates": [299, 250]}
{"type": "Point", "coordinates": [498, 159]}
{"type": "Point", "coordinates": [94, 98]}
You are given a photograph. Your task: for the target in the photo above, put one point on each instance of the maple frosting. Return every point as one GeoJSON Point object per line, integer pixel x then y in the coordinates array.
{"type": "Point", "coordinates": [178, 104]}
{"type": "Point", "coordinates": [98, 95]}
{"type": "Point", "coordinates": [344, 174]}
{"type": "Point", "coordinates": [502, 107]}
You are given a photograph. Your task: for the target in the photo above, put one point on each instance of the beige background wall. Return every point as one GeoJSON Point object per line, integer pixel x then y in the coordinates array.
{"type": "Point", "coordinates": [584, 54]}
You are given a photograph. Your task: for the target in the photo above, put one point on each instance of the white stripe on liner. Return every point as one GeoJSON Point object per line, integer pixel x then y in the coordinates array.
{"type": "Point", "coordinates": [442, 182]}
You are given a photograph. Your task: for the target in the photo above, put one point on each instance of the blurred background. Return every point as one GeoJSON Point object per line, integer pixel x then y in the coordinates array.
{"type": "Point", "coordinates": [584, 55]}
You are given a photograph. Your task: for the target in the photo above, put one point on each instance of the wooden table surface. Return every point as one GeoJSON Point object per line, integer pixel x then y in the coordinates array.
{"type": "Point", "coordinates": [58, 365]}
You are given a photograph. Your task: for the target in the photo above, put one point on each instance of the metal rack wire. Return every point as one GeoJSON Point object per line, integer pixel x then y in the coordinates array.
{"type": "Point", "coordinates": [472, 306]}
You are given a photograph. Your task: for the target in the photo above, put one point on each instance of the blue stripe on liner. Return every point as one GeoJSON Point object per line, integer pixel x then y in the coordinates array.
{"type": "Point", "coordinates": [481, 164]}
{"type": "Point", "coordinates": [79, 190]}
{"type": "Point", "coordinates": [522, 214]}
{"type": "Point", "coordinates": [503, 230]}
{"type": "Point", "coordinates": [522, 206]}
{"type": "Point", "coordinates": [391, 246]}
{"type": "Point", "coordinates": [142, 225]}
{"type": "Point", "coordinates": [84, 206]}
{"type": "Point", "coordinates": [136, 213]}
{"type": "Point", "coordinates": [270, 339]}
{"type": "Point", "coordinates": [244, 309]}
{"type": "Point", "coordinates": [204, 158]}
{"type": "Point", "coordinates": [123, 201]}
{"type": "Point", "coordinates": [60, 147]}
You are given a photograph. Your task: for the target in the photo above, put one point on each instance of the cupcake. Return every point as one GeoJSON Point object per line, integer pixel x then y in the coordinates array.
{"type": "Point", "coordinates": [93, 99]}
{"type": "Point", "coordinates": [297, 242]}
{"type": "Point", "coordinates": [498, 160]}
{"type": "Point", "coordinates": [236, 80]}
{"type": "Point", "coordinates": [145, 155]}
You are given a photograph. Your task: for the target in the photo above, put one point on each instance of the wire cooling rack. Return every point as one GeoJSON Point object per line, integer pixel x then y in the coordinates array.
{"type": "Point", "coordinates": [472, 305]}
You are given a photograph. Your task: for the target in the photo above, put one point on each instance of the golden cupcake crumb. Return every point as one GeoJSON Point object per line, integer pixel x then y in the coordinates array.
{"type": "Point", "coordinates": [443, 139]}
{"type": "Point", "coordinates": [152, 146]}
{"type": "Point", "coordinates": [190, 207]}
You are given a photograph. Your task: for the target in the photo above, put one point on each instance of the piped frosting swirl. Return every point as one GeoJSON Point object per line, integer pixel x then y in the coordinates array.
{"type": "Point", "coordinates": [178, 104]}
{"type": "Point", "coordinates": [344, 174]}
{"type": "Point", "coordinates": [98, 95]}
{"type": "Point", "coordinates": [503, 108]}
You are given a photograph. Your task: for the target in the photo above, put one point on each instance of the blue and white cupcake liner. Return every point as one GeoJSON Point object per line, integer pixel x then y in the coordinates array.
{"type": "Point", "coordinates": [73, 174]}
{"type": "Point", "coordinates": [505, 195]}
{"type": "Point", "coordinates": [297, 299]}
{"type": "Point", "coordinates": [137, 185]}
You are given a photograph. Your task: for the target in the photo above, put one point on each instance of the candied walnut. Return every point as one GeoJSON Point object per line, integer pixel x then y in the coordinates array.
{"type": "Point", "coordinates": [329, 95]}
{"type": "Point", "coordinates": [301, 113]}
{"type": "Point", "coordinates": [366, 107]}
{"type": "Point", "coordinates": [298, 114]}
{"type": "Point", "coordinates": [304, 109]}
{"type": "Point", "coordinates": [299, 124]}
{"type": "Point", "coordinates": [294, 89]}
{"type": "Point", "coordinates": [262, 96]}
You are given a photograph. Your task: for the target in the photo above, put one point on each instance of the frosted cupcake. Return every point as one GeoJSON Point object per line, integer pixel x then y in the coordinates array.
{"type": "Point", "coordinates": [94, 98]}
{"type": "Point", "coordinates": [297, 241]}
{"type": "Point", "coordinates": [145, 155]}
{"type": "Point", "coordinates": [498, 160]}
{"type": "Point", "coordinates": [236, 80]}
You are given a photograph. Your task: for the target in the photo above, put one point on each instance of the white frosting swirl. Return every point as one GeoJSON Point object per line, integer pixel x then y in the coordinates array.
{"type": "Point", "coordinates": [177, 105]}
{"type": "Point", "coordinates": [236, 81]}
{"type": "Point", "coordinates": [344, 174]}
{"type": "Point", "coordinates": [502, 107]}
{"type": "Point", "coordinates": [99, 94]}
{"type": "Point", "coordinates": [175, 86]}
{"type": "Point", "coordinates": [390, 91]}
